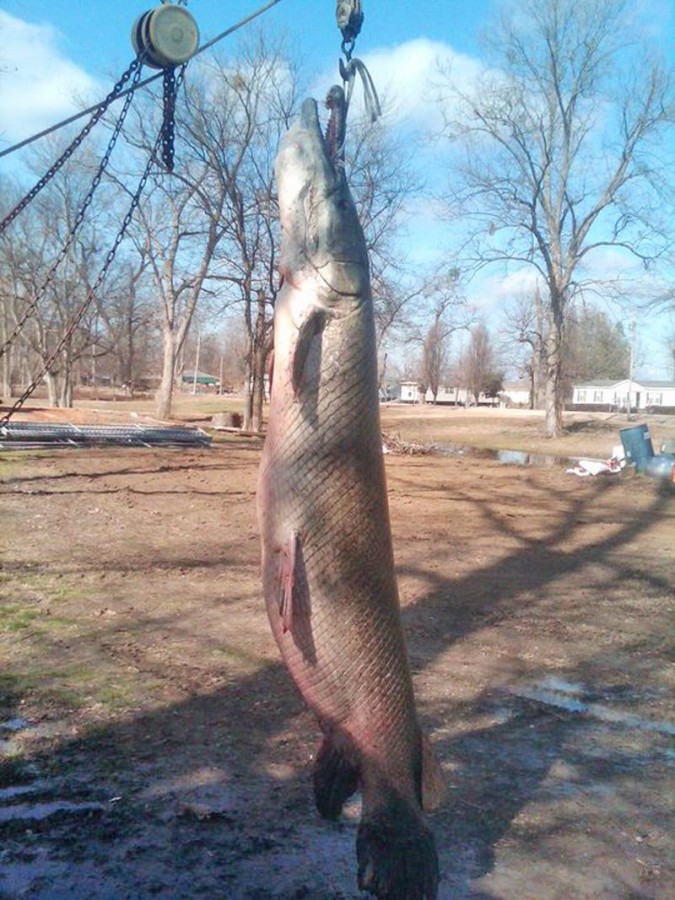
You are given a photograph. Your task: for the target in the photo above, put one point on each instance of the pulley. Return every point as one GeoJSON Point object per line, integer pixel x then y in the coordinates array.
{"type": "Point", "coordinates": [168, 35]}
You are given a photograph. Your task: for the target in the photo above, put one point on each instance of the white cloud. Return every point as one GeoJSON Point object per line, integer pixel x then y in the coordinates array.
{"type": "Point", "coordinates": [406, 76]}
{"type": "Point", "coordinates": [38, 85]}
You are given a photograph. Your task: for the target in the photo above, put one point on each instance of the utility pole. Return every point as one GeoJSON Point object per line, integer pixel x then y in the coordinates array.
{"type": "Point", "coordinates": [631, 370]}
{"type": "Point", "coordinates": [194, 378]}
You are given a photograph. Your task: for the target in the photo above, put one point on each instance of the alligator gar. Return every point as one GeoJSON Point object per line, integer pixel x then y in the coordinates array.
{"type": "Point", "coordinates": [327, 559]}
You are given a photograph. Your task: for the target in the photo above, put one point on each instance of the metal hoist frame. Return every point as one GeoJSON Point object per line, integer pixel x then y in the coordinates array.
{"type": "Point", "coordinates": [164, 38]}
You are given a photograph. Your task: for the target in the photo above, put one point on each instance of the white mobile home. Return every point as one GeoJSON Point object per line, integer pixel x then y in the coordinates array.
{"type": "Point", "coordinates": [411, 392]}
{"type": "Point", "coordinates": [650, 396]}
{"type": "Point", "coordinates": [515, 393]}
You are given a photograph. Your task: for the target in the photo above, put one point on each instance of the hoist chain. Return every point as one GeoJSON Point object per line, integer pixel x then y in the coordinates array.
{"type": "Point", "coordinates": [168, 117]}
{"type": "Point", "coordinates": [135, 200]}
{"type": "Point", "coordinates": [134, 69]}
{"type": "Point", "coordinates": [171, 85]}
{"type": "Point", "coordinates": [78, 219]}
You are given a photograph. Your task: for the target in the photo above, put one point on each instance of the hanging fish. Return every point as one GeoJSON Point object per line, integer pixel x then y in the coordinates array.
{"type": "Point", "coordinates": [327, 559]}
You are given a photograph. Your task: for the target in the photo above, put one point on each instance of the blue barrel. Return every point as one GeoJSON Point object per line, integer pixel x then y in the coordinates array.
{"type": "Point", "coordinates": [637, 445]}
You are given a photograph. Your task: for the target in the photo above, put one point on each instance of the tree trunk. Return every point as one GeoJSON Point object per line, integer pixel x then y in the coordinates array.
{"type": "Point", "coordinates": [255, 380]}
{"type": "Point", "coordinates": [6, 376]}
{"type": "Point", "coordinates": [66, 379]}
{"type": "Point", "coordinates": [554, 399]}
{"type": "Point", "coordinates": [52, 389]}
{"type": "Point", "coordinates": [164, 394]}
{"type": "Point", "coordinates": [66, 392]}
{"type": "Point", "coordinates": [6, 373]}
{"type": "Point", "coordinates": [258, 391]}
{"type": "Point", "coordinates": [539, 367]}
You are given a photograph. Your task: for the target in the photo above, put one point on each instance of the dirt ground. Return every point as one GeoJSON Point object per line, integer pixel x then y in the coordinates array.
{"type": "Point", "coordinates": [152, 745]}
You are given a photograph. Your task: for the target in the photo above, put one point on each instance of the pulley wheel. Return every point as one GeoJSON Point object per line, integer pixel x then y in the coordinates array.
{"type": "Point", "coordinates": [169, 36]}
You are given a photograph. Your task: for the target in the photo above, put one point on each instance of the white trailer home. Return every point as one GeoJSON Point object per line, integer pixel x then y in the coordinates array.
{"type": "Point", "coordinates": [649, 396]}
{"type": "Point", "coordinates": [411, 392]}
{"type": "Point", "coordinates": [515, 393]}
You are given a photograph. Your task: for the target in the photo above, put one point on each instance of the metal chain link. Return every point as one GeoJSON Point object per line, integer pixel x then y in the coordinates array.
{"type": "Point", "coordinates": [134, 69]}
{"type": "Point", "coordinates": [135, 200]}
{"type": "Point", "coordinates": [78, 220]}
{"type": "Point", "coordinates": [168, 117]}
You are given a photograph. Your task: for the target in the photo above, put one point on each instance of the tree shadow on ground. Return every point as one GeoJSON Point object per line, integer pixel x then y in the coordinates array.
{"type": "Point", "coordinates": [254, 732]}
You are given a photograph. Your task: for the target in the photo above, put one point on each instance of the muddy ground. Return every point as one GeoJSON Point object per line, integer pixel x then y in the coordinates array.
{"type": "Point", "coordinates": [152, 745]}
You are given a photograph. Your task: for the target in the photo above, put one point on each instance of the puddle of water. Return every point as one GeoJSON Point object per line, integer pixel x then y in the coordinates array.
{"type": "Point", "coordinates": [507, 457]}
{"type": "Point", "coordinates": [573, 698]}
{"type": "Point", "coordinates": [14, 725]}
{"type": "Point", "coordinates": [9, 793]}
{"type": "Point", "coordinates": [39, 811]}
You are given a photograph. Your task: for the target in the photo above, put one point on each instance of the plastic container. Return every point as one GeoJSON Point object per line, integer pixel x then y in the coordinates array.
{"type": "Point", "coordinates": [637, 444]}
{"type": "Point", "coordinates": [661, 466]}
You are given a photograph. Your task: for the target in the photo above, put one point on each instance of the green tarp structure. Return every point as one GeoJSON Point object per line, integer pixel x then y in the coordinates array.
{"type": "Point", "coordinates": [202, 378]}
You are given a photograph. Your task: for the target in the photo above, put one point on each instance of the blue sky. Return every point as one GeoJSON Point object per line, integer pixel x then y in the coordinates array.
{"type": "Point", "coordinates": [95, 35]}
{"type": "Point", "coordinates": [53, 51]}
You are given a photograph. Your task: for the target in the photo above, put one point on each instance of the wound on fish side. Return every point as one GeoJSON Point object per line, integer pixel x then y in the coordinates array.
{"type": "Point", "coordinates": [292, 589]}
{"type": "Point", "coordinates": [286, 575]}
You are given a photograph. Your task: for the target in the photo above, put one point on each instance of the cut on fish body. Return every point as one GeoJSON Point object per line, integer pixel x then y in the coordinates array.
{"type": "Point", "coordinates": [327, 559]}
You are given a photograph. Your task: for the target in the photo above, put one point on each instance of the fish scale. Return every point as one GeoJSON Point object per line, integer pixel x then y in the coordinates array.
{"type": "Point", "coordinates": [328, 568]}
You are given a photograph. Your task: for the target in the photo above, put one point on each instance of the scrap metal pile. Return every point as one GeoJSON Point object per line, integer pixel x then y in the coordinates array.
{"type": "Point", "coordinates": [24, 435]}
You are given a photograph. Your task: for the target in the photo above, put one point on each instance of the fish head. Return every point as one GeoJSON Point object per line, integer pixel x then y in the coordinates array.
{"type": "Point", "coordinates": [322, 239]}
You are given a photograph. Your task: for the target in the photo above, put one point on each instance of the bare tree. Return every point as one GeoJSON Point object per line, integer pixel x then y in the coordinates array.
{"type": "Point", "coordinates": [383, 179]}
{"type": "Point", "coordinates": [236, 123]}
{"type": "Point", "coordinates": [445, 311]}
{"type": "Point", "coordinates": [48, 272]}
{"type": "Point", "coordinates": [126, 323]}
{"type": "Point", "coordinates": [557, 137]}
{"type": "Point", "coordinates": [478, 363]}
{"type": "Point", "coordinates": [669, 347]}
{"type": "Point", "coordinates": [525, 337]}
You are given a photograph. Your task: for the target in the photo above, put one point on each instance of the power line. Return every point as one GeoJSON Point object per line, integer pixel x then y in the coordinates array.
{"type": "Point", "coordinates": [144, 83]}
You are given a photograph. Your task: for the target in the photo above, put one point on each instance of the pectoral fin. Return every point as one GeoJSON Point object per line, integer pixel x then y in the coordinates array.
{"type": "Point", "coordinates": [310, 328]}
{"type": "Point", "coordinates": [336, 778]}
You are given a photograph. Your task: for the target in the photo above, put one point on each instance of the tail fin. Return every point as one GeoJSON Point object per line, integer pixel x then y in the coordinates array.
{"type": "Point", "coordinates": [396, 855]}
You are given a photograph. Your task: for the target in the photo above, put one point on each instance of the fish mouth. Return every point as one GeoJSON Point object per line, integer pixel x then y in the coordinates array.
{"type": "Point", "coordinates": [333, 139]}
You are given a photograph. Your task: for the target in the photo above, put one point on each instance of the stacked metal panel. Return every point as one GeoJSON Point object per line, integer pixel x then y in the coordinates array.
{"type": "Point", "coordinates": [37, 434]}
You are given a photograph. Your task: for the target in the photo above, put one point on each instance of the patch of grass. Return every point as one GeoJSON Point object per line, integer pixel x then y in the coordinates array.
{"type": "Point", "coordinates": [73, 686]}
{"type": "Point", "coordinates": [51, 661]}
{"type": "Point", "coordinates": [14, 617]}
{"type": "Point", "coordinates": [52, 587]}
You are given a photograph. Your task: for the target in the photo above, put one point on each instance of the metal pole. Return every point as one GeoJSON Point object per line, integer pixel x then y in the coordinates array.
{"type": "Point", "coordinates": [194, 380]}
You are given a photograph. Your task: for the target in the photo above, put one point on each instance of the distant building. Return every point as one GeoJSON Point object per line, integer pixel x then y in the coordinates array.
{"type": "Point", "coordinates": [411, 392]}
{"type": "Point", "coordinates": [650, 396]}
{"type": "Point", "coordinates": [515, 393]}
{"type": "Point", "coordinates": [202, 379]}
